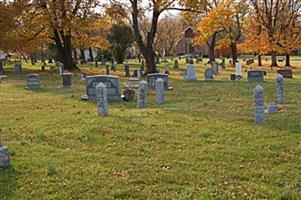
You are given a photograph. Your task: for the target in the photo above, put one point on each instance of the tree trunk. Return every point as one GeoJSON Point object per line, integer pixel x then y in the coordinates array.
{"type": "Point", "coordinates": [287, 60]}
{"type": "Point", "coordinates": [32, 59]}
{"type": "Point", "coordinates": [146, 47]}
{"type": "Point", "coordinates": [91, 54]}
{"type": "Point", "coordinates": [64, 48]}
{"type": "Point", "coordinates": [150, 63]}
{"type": "Point", "coordinates": [211, 45]}
{"type": "Point", "coordinates": [234, 53]}
{"type": "Point", "coordinates": [274, 60]}
{"type": "Point", "coordinates": [259, 60]}
{"type": "Point", "coordinates": [82, 55]}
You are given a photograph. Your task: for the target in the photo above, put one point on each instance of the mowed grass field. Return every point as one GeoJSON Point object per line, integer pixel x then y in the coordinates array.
{"type": "Point", "coordinates": [201, 144]}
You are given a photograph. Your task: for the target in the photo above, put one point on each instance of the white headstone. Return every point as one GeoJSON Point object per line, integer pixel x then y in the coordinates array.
{"type": "Point", "coordinates": [102, 99]}
{"type": "Point", "coordinates": [190, 73]}
{"type": "Point", "coordinates": [238, 69]}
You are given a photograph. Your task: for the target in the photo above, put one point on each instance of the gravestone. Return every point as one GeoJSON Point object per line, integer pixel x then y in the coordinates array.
{"type": "Point", "coordinates": [18, 68]}
{"type": "Point", "coordinates": [214, 68]}
{"type": "Point", "coordinates": [176, 64]}
{"type": "Point", "coordinates": [152, 78]}
{"type": "Point", "coordinates": [159, 91]}
{"type": "Point", "coordinates": [127, 70]}
{"type": "Point", "coordinates": [137, 73]}
{"type": "Point", "coordinates": [208, 74]}
{"type": "Point", "coordinates": [250, 61]}
{"type": "Point", "coordinates": [142, 93]}
{"type": "Point", "coordinates": [286, 73]}
{"type": "Point", "coordinates": [272, 108]}
{"type": "Point", "coordinates": [102, 99]}
{"type": "Point", "coordinates": [33, 81]}
{"type": "Point", "coordinates": [238, 71]}
{"type": "Point", "coordinates": [256, 75]}
{"type": "Point", "coordinates": [280, 89]}
{"type": "Point", "coordinates": [4, 157]}
{"type": "Point", "coordinates": [107, 69]}
{"type": "Point", "coordinates": [190, 73]}
{"type": "Point", "coordinates": [259, 105]}
{"type": "Point", "coordinates": [60, 67]}
{"type": "Point", "coordinates": [112, 83]}
{"type": "Point", "coordinates": [67, 80]}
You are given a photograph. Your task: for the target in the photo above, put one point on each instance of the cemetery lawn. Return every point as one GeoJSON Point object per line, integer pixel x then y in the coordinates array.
{"type": "Point", "coordinates": [201, 144]}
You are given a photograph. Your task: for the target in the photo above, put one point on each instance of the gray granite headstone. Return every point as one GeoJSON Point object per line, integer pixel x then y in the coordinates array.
{"type": "Point", "coordinates": [107, 69]}
{"type": "Point", "coordinates": [214, 68]}
{"type": "Point", "coordinates": [33, 81]}
{"type": "Point", "coordinates": [112, 83]}
{"type": "Point", "coordinates": [176, 64]}
{"type": "Point", "coordinates": [208, 74]}
{"type": "Point", "coordinates": [280, 89]}
{"type": "Point", "coordinates": [190, 73]}
{"type": "Point", "coordinates": [286, 73]}
{"type": "Point", "coordinates": [102, 99]}
{"type": "Point", "coordinates": [259, 105]}
{"type": "Point", "coordinates": [67, 80]}
{"type": "Point", "coordinates": [256, 75]}
{"type": "Point", "coordinates": [18, 68]}
{"type": "Point", "coordinates": [142, 92]}
{"type": "Point", "coordinates": [151, 80]}
{"type": "Point", "coordinates": [159, 91]}
{"type": "Point", "coordinates": [272, 108]}
{"type": "Point", "coordinates": [4, 157]}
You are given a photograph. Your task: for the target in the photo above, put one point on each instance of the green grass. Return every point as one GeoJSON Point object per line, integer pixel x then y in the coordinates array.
{"type": "Point", "coordinates": [201, 144]}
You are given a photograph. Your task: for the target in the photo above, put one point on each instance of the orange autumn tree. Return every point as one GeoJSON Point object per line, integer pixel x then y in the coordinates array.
{"type": "Point", "coordinates": [280, 19]}
{"type": "Point", "coordinates": [227, 19]}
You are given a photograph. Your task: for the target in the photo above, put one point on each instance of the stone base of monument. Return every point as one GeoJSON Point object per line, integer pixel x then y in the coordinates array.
{"type": "Point", "coordinates": [4, 157]}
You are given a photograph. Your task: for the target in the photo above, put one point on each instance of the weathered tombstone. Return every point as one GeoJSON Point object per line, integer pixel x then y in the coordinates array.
{"type": "Point", "coordinates": [142, 91]}
{"type": "Point", "coordinates": [250, 61]}
{"type": "Point", "coordinates": [280, 89]}
{"type": "Point", "coordinates": [102, 99]}
{"type": "Point", "coordinates": [272, 108]}
{"type": "Point", "coordinates": [176, 64]}
{"type": "Point", "coordinates": [107, 69]}
{"type": "Point", "coordinates": [286, 73]}
{"type": "Point", "coordinates": [159, 91]}
{"type": "Point", "coordinates": [152, 78]}
{"type": "Point", "coordinates": [238, 71]}
{"type": "Point", "coordinates": [128, 93]}
{"type": "Point", "coordinates": [137, 73]}
{"type": "Point", "coordinates": [112, 83]}
{"type": "Point", "coordinates": [82, 76]}
{"type": "Point", "coordinates": [214, 68]}
{"type": "Point", "coordinates": [256, 75]}
{"type": "Point", "coordinates": [259, 105]}
{"type": "Point", "coordinates": [190, 73]}
{"type": "Point", "coordinates": [208, 74]}
{"type": "Point", "coordinates": [127, 70]}
{"type": "Point", "coordinates": [67, 80]}
{"type": "Point", "coordinates": [232, 77]}
{"type": "Point", "coordinates": [18, 68]}
{"type": "Point", "coordinates": [60, 67]}
{"type": "Point", "coordinates": [33, 81]}
{"type": "Point", "coordinates": [4, 157]}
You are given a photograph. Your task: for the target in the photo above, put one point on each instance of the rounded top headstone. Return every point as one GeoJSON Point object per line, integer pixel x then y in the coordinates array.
{"type": "Point", "coordinates": [279, 77]}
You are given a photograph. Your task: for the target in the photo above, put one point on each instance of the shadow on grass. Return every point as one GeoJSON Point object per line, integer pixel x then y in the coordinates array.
{"type": "Point", "coordinates": [8, 183]}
